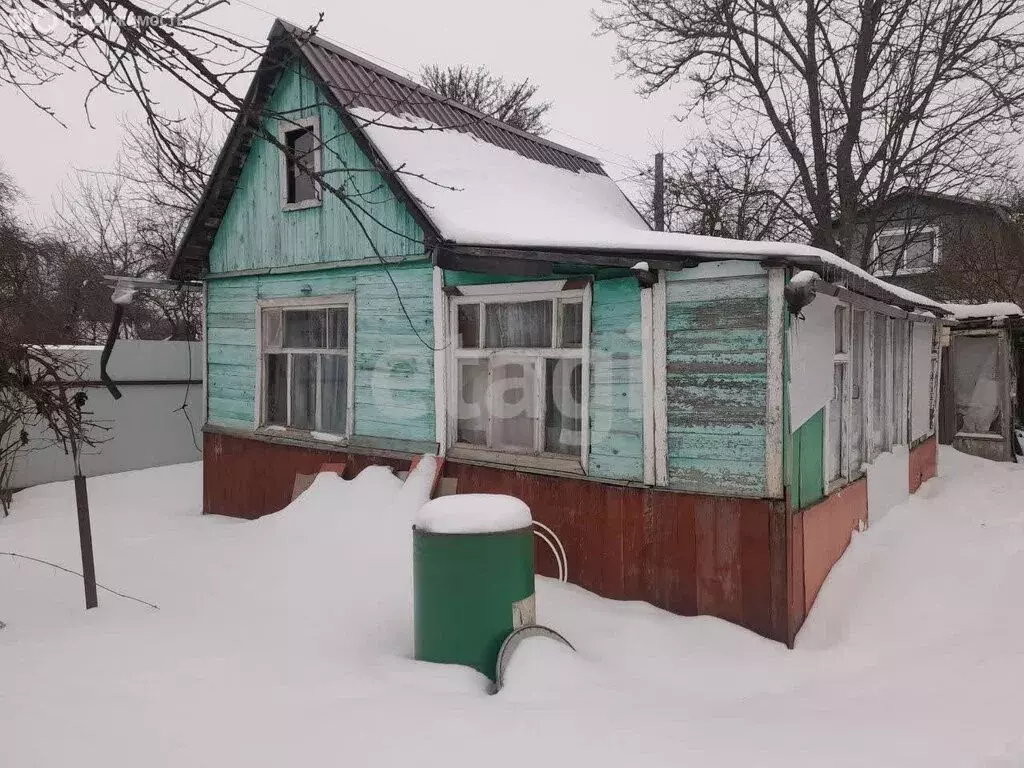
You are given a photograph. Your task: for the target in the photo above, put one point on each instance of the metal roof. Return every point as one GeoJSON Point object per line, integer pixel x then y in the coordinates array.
{"type": "Point", "coordinates": [356, 82]}
{"type": "Point", "coordinates": [352, 81]}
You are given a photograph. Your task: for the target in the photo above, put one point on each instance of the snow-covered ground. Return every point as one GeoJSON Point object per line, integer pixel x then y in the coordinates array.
{"type": "Point", "coordinates": [286, 641]}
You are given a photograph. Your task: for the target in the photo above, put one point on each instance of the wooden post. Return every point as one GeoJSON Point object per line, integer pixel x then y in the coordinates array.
{"type": "Point", "coordinates": [659, 191]}
{"type": "Point", "coordinates": [85, 538]}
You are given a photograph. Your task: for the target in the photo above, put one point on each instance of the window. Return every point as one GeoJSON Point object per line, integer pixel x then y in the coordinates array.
{"type": "Point", "coordinates": [518, 371]}
{"type": "Point", "coordinates": [879, 438]}
{"type": "Point", "coordinates": [300, 162]}
{"type": "Point", "coordinates": [838, 440]}
{"type": "Point", "coordinates": [906, 250]}
{"type": "Point", "coordinates": [872, 373]}
{"type": "Point", "coordinates": [976, 384]}
{"type": "Point", "coordinates": [306, 365]}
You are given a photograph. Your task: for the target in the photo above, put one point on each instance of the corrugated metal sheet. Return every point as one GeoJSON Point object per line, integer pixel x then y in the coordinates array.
{"type": "Point", "coordinates": [356, 82]}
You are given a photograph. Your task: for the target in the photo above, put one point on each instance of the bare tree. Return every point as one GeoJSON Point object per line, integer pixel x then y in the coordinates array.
{"type": "Point", "coordinates": [863, 97]}
{"type": "Point", "coordinates": [41, 405]}
{"type": "Point", "coordinates": [720, 187]}
{"type": "Point", "coordinates": [128, 221]}
{"type": "Point", "coordinates": [515, 103]}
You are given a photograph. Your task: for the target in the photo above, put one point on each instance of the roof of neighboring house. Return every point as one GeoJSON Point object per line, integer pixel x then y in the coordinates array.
{"type": "Point", "coordinates": [991, 309]}
{"type": "Point", "coordinates": [923, 194]}
{"type": "Point", "coordinates": [482, 189]}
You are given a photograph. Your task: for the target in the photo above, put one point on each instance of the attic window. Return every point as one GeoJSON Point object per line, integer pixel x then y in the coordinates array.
{"type": "Point", "coordinates": [300, 162]}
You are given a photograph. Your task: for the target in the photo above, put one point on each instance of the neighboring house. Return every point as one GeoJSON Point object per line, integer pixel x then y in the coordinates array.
{"type": "Point", "coordinates": [946, 247]}
{"type": "Point", "coordinates": [486, 294]}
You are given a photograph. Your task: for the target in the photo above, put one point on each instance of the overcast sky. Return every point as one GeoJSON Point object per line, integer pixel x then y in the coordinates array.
{"type": "Point", "coordinates": [551, 41]}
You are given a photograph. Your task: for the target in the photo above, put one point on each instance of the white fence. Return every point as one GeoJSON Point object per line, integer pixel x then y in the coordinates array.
{"type": "Point", "coordinates": [145, 428]}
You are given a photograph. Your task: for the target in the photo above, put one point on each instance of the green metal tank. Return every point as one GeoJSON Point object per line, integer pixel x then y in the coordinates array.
{"type": "Point", "coordinates": [471, 589]}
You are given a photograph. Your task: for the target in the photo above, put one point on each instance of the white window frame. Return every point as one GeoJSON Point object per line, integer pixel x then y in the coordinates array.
{"type": "Point", "coordinates": [346, 301]}
{"type": "Point", "coordinates": [285, 127]}
{"type": "Point", "coordinates": [553, 290]}
{"type": "Point", "coordinates": [847, 470]}
{"type": "Point", "coordinates": [905, 233]}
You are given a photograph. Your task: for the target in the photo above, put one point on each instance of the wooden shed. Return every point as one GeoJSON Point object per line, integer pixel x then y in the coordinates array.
{"type": "Point", "coordinates": [982, 397]}
{"type": "Point", "coordinates": [703, 422]}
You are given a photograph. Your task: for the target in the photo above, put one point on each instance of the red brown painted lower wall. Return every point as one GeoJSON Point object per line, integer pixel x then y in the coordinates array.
{"type": "Point", "coordinates": [924, 462]}
{"type": "Point", "coordinates": [827, 528]}
{"type": "Point", "coordinates": [690, 554]}
{"type": "Point", "coordinates": [821, 534]}
{"type": "Point", "coordinates": [251, 478]}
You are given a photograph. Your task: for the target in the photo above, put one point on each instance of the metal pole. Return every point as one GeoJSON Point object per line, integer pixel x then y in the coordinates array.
{"type": "Point", "coordinates": [85, 537]}
{"type": "Point", "coordinates": [659, 191]}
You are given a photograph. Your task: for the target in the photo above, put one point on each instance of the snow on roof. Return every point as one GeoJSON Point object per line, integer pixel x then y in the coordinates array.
{"type": "Point", "coordinates": [980, 311]}
{"type": "Point", "coordinates": [479, 194]}
{"type": "Point", "coordinates": [853, 277]}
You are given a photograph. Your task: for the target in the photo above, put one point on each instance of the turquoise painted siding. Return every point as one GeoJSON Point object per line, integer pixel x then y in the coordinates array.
{"type": "Point", "coordinates": [394, 374]}
{"type": "Point", "coordinates": [256, 233]}
{"type": "Point", "coordinates": [616, 382]}
{"type": "Point", "coordinates": [717, 382]}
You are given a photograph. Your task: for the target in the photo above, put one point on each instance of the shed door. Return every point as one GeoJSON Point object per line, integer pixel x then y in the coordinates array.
{"type": "Point", "coordinates": [981, 393]}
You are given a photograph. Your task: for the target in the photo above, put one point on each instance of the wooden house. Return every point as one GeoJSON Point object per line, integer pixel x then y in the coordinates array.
{"type": "Point", "coordinates": [702, 421]}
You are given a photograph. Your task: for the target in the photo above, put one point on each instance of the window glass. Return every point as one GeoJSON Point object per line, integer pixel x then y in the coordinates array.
{"type": "Point", "coordinates": [840, 329]}
{"type": "Point", "coordinates": [301, 144]}
{"type": "Point", "coordinates": [920, 251]}
{"type": "Point", "coordinates": [526, 324]}
{"type": "Point", "coordinates": [976, 384]}
{"type": "Point", "coordinates": [563, 422]}
{"type": "Point", "coordinates": [514, 405]}
{"type": "Point", "coordinates": [337, 328]}
{"type": "Point", "coordinates": [469, 326]}
{"type": "Point", "coordinates": [333, 393]}
{"type": "Point", "coordinates": [276, 389]}
{"type": "Point", "coordinates": [305, 329]}
{"type": "Point", "coordinates": [857, 394]}
{"type": "Point", "coordinates": [890, 248]}
{"type": "Point", "coordinates": [302, 392]}
{"type": "Point", "coordinates": [836, 456]}
{"type": "Point", "coordinates": [473, 410]}
{"type": "Point", "coordinates": [570, 324]}
{"type": "Point", "coordinates": [271, 328]}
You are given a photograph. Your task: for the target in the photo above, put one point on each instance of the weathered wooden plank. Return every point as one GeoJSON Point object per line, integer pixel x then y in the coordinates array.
{"type": "Point", "coordinates": [701, 444]}
{"type": "Point", "coordinates": [716, 384]}
{"type": "Point", "coordinates": [231, 320]}
{"type": "Point", "coordinates": [749, 313]}
{"type": "Point", "coordinates": [718, 340]}
{"type": "Point", "coordinates": [236, 337]}
{"type": "Point", "coordinates": [728, 288]}
{"type": "Point", "coordinates": [715, 476]}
